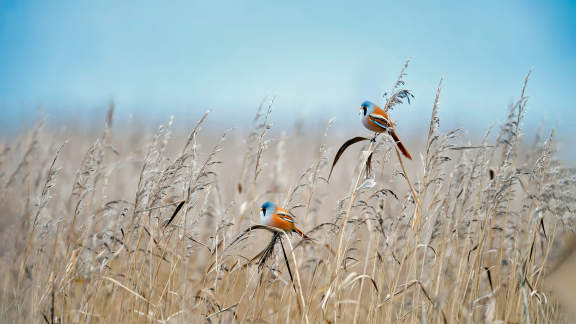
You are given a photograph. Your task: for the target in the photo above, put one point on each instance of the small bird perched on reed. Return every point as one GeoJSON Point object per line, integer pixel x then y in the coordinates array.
{"type": "Point", "coordinates": [376, 119]}
{"type": "Point", "coordinates": [272, 215]}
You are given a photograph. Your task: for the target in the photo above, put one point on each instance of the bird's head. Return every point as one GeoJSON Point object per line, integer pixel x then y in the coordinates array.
{"type": "Point", "coordinates": [267, 209]}
{"type": "Point", "coordinates": [366, 108]}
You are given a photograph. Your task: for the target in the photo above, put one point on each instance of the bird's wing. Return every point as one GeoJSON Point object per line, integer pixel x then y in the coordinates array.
{"type": "Point", "coordinates": [284, 215]}
{"type": "Point", "coordinates": [379, 120]}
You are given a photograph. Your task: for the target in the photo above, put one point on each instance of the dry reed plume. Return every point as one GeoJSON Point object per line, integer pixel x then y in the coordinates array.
{"type": "Point", "coordinates": [127, 227]}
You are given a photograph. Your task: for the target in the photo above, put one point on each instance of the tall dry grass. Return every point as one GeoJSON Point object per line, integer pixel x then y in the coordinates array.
{"type": "Point", "coordinates": [94, 228]}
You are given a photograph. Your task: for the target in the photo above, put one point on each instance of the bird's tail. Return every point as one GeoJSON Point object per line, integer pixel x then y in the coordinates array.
{"type": "Point", "coordinates": [301, 233]}
{"type": "Point", "coordinates": [400, 145]}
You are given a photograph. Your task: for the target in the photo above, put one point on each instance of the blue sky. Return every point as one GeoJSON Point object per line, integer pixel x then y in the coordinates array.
{"type": "Point", "coordinates": [320, 58]}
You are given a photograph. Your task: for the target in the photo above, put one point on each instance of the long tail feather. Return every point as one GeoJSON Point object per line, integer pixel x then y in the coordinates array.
{"type": "Point", "coordinates": [400, 145]}
{"type": "Point", "coordinates": [301, 233]}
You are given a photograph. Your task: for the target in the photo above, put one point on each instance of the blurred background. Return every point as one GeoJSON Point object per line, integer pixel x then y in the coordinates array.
{"type": "Point", "coordinates": [68, 59]}
{"type": "Point", "coordinates": [464, 232]}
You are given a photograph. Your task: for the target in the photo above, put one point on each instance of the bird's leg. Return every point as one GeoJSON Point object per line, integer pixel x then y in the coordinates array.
{"type": "Point", "coordinates": [373, 140]}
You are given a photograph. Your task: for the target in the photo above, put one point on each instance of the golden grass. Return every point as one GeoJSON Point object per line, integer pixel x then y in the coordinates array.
{"type": "Point", "coordinates": [467, 232]}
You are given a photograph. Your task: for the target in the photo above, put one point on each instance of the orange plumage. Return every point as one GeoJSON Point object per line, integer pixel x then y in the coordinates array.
{"type": "Point", "coordinates": [377, 120]}
{"type": "Point", "coordinates": [272, 215]}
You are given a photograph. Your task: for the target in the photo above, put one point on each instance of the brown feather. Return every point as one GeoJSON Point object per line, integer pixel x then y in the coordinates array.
{"type": "Point", "coordinates": [400, 145]}
{"type": "Point", "coordinates": [297, 230]}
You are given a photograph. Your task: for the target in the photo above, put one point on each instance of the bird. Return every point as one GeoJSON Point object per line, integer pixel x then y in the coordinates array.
{"type": "Point", "coordinates": [272, 215]}
{"type": "Point", "coordinates": [376, 119]}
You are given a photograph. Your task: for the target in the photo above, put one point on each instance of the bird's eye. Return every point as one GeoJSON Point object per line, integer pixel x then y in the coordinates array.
{"type": "Point", "coordinates": [365, 110]}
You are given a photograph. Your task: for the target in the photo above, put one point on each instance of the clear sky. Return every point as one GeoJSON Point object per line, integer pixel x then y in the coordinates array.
{"type": "Point", "coordinates": [320, 58]}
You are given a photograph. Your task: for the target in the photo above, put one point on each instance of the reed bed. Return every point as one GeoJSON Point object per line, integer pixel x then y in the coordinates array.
{"type": "Point", "coordinates": [128, 226]}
